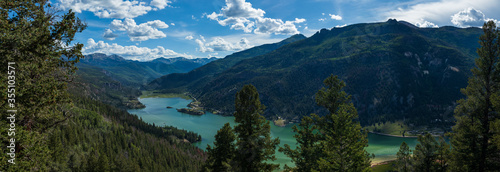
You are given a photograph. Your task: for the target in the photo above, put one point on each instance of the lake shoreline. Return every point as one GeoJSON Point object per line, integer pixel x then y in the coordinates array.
{"type": "Point", "coordinates": [207, 126]}
{"type": "Point", "coordinates": [392, 135]}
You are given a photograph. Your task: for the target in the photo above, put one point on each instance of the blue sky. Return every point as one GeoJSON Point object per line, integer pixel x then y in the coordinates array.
{"type": "Point", "coordinates": [148, 29]}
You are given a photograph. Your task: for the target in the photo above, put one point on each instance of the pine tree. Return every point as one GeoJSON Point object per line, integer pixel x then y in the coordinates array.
{"type": "Point", "coordinates": [254, 143]}
{"type": "Point", "coordinates": [473, 135]}
{"type": "Point", "coordinates": [220, 157]}
{"type": "Point", "coordinates": [403, 160]}
{"type": "Point", "coordinates": [424, 155]}
{"type": "Point", "coordinates": [38, 40]}
{"type": "Point", "coordinates": [307, 153]}
{"type": "Point", "coordinates": [443, 155]}
{"type": "Point", "coordinates": [334, 142]}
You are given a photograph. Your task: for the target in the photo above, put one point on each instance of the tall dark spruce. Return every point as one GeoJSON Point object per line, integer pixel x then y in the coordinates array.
{"type": "Point", "coordinates": [221, 155]}
{"type": "Point", "coordinates": [39, 41]}
{"type": "Point", "coordinates": [477, 126]}
{"type": "Point", "coordinates": [334, 142]}
{"type": "Point", "coordinates": [254, 144]}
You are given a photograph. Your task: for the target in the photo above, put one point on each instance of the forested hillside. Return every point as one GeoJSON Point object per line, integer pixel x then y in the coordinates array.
{"type": "Point", "coordinates": [61, 120]}
{"type": "Point", "coordinates": [393, 70]}
{"type": "Point", "coordinates": [137, 73]}
{"type": "Point", "coordinates": [181, 82]}
{"type": "Point", "coordinates": [104, 138]}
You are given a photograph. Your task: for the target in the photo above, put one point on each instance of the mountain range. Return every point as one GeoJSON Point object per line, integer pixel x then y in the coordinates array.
{"type": "Point", "coordinates": [393, 70]}
{"type": "Point", "coordinates": [137, 73]}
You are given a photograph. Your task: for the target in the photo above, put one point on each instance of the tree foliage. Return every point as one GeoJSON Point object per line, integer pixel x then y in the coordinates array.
{"type": "Point", "coordinates": [334, 142]}
{"type": "Point", "coordinates": [38, 40]}
{"type": "Point", "coordinates": [254, 144]}
{"type": "Point", "coordinates": [424, 155]}
{"type": "Point", "coordinates": [403, 160]}
{"type": "Point", "coordinates": [220, 157]}
{"type": "Point", "coordinates": [343, 140]}
{"type": "Point", "coordinates": [308, 152]}
{"type": "Point", "coordinates": [477, 115]}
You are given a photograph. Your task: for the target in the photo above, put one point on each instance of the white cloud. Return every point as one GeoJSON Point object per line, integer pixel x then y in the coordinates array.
{"type": "Point", "coordinates": [130, 52]}
{"type": "Point", "coordinates": [220, 44]}
{"type": "Point", "coordinates": [276, 26]}
{"type": "Point", "coordinates": [439, 12]}
{"type": "Point", "coordinates": [297, 20]}
{"type": "Point", "coordinates": [322, 19]}
{"type": "Point", "coordinates": [189, 37]}
{"type": "Point", "coordinates": [469, 17]}
{"type": "Point", "coordinates": [173, 24]}
{"type": "Point", "coordinates": [202, 48]}
{"type": "Point", "coordinates": [426, 24]}
{"type": "Point", "coordinates": [141, 32]}
{"type": "Point", "coordinates": [240, 8]}
{"type": "Point", "coordinates": [240, 15]}
{"type": "Point", "coordinates": [341, 26]}
{"type": "Point", "coordinates": [109, 35]}
{"type": "Point", "coordinates": [160, 4]}
{"type": "Point", "coordinates": [335, 17]}
{"type": "Point", "coordinates": [113, 8]}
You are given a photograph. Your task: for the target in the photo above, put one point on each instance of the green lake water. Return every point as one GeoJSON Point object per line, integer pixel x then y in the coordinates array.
{"type": "Point", "coordinates": [384, 147]}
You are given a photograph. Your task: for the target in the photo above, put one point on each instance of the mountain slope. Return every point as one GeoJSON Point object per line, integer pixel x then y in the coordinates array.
{"type": "Point", "coordinates": [135, 73]}
{"type": "Point", "coordinates": [178, 82]}
{"type": "Point", "coordinates": [392, 69]}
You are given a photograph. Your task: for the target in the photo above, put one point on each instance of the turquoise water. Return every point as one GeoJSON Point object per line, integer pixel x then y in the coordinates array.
{"type": "Point", "coordinates": [384, 147]}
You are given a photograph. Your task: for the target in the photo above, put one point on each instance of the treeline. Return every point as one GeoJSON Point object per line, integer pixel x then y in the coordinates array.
{"type": "Point", "coordinates": [55, 130]}
{"type": "Point", "coordinates": [334, 142]}
{"type": "Point", "coordinates": [429, 155]}
{"type": "Point", "coordinates": [102, 138]}
{"type": "Point", "coordinates": [123, 117]}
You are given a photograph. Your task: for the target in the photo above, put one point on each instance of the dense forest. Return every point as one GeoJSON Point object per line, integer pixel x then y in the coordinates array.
{"type": "Point", "coordinates": [62, 120]}
{"type": "Point", "coordinates": [67, 121]}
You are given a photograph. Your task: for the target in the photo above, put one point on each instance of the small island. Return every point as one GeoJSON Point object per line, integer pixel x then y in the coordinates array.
{"type": "Point", "coordinates": [280, 122]}
{"type": "Point", "coordinates": [169, 107]}
{"type": "Point", "coordinates": [191, 111]}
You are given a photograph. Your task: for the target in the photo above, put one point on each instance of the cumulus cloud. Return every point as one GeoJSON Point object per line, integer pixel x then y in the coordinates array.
{"type": "Point", "coordinates": [202, 48]}
{"type": "Point", "coordinates": [130, 52]}
{"type": "Point", "coordinates": [439, 12]}
{"type": "Point", "coordinates": [335, 17]}
{"type": "Point", "coordinates": [189, 37]}
{"type": "Point", "coordinates": [469, 17]}
{"type": "Point", "coordinates": [160, 4]}
{"type": "Point", "coordinates": [220, 44]}
{"type": "Point", "coordinates": [141, 32]}
{"type": "Point", "coordinates": [276, 26]}
{"type": "Point", "coordinates": [113, 8]}
{"type": "Point", "coordinates": [426, 24]}
{"type": "Point", "coordinates": [109, 35]}
{"type": "Point", "coordinates": [240, 8]}
{"type": "Point", "coordinates": [240, 15]}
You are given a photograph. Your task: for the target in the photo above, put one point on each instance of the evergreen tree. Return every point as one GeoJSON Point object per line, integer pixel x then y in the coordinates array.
{"type": "Point", "coordinates": [343, 140]}
{"type": "Point", "coordinates": [403, 160]}
{"type": "Point", "coordinates": [38, 40]}
{"type": "Point", "coordinates": [473, 135]}
{"type": "Point", "coordinates": [307, 153]}
{"type": "Point", "coordinates": [334, 142]}
{"type": "Point", "coordinates": [220, 157]}
{"type": "Point", "coordinates": [424, 155]}
{"type": "Point", "coordinates": [443, 155]}
{"type": "Point", "coordinates": [254, 143]}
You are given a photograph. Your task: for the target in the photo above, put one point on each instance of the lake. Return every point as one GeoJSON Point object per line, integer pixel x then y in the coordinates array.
{"type": "Point", "coordinates": [384, 147]}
